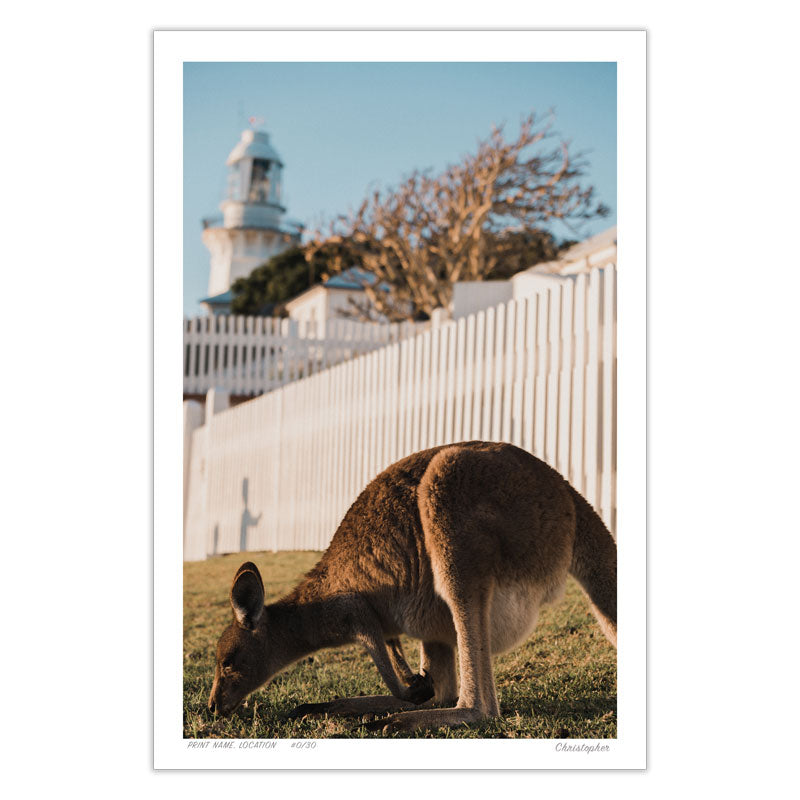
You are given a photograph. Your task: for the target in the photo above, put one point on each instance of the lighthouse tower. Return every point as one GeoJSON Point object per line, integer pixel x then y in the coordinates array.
{"type": "Point", "coordinates": [252, 229]}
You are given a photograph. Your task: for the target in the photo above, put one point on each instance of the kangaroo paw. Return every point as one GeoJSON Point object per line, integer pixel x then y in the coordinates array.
{"type": "Point", "coordinates": [420, 689]}
{"type": "Point", "coordinates": [373, 725]}
{"type": "Point", "coordinates": [395, 723]}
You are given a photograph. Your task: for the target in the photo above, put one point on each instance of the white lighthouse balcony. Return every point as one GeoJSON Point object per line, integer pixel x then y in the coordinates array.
{"type": "Point", "coordinates": [236, 214]}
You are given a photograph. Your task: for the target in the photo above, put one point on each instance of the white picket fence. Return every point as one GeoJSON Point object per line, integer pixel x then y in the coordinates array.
{"type": "Point", "coordinates": [253, 355]}
{"type": "Point", "coordinates": [280, 471]}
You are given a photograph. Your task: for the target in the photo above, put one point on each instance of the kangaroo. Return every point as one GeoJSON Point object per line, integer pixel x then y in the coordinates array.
{"type": "Point", "coordinates": [457, 546]}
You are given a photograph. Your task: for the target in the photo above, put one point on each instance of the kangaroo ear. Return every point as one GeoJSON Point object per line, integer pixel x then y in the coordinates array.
{"type": "Point", "coordinates": [247, 595]}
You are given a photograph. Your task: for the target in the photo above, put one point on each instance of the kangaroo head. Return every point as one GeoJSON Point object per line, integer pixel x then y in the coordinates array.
{"type": "Point", "coordinates": [242, 665]}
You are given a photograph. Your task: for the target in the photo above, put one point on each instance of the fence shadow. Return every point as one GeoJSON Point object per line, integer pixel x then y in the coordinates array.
{"type": "Point", "coordinates": [248, 520]}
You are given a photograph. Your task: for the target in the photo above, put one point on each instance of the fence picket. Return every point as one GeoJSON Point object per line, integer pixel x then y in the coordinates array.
{"type": "Point", "coordinates": [441, 396]}
{"type": "Point", "coordinates": [450, 400]}
{"type": "Point", "coordinates": [433, 387]}
{"type": "Point", "coordinates": [380, 411]}
{"type": "Point", "coordinates": [529, 399]}
{"type": "Point", "coordinates": [576, 476]}
{"type": "Point", "coordinates": [372, 463]}
{"type": "Point", "coordinates": [477, 374]}
{"type": "Point", "coordinates": [542, 355]}
{"type": "Point", "coordinates": [424, 391]}
{"type": "Point", "coordinates": [338, 477]}
{"type": "Point", "coordinates": [608, 404]}
{"type": "Point", "coordinates": [486, 421]}
{"type": "Point", "coordinates": [554, 339]}
{"type": "Point", "coordinates": [402, 395]}
{"type": "Point", "coordinates": [499, 363]}
{"type": "Point", "coordinates": [565, 379]}
{"type": "Point", "coordinates": [592, 415]}
{"type": "Point", "coordinates": [393, 388]}
{"type": "Point", "coordinates": [416, 402]}
{"type": "Point", "coordinates": [508, 370]}
{"type": "Point", "coordinates": [358, 442]}
{"type": "Point", "coordinates": [458, 404]}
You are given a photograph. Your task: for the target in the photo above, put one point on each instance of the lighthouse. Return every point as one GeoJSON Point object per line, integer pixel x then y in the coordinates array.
{"type": "Point", "coordinates": [252, 228]}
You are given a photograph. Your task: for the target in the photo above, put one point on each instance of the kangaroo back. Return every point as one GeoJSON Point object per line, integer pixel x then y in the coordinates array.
{"type": "Point", "coordinates": [594, 565]}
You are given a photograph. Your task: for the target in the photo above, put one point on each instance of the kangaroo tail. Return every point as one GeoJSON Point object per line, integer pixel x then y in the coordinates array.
{"type": "Point", "coordinates": [594, 565]}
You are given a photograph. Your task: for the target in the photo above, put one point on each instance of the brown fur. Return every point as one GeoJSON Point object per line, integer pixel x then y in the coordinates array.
{"type": "Point", "coordinates": [457, 546]}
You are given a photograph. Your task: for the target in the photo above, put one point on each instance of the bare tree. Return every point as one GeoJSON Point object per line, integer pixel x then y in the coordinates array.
{"type": "Point", "coordinates": [418, 239]}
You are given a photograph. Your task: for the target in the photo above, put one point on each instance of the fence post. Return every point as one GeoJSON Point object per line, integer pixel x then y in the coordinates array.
{"type": "Point", "coordinates": [217, 400]}
{"type": "Point", "coordinates": [192, 420]}
{"type": "Point", "coordinates": [439, 317]}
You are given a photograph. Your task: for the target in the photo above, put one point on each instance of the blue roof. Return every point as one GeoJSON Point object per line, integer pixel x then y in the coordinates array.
{"type": "Point", "coordinates": [224, 297]}
{"type": "Point", "coordinates": [353, 278]}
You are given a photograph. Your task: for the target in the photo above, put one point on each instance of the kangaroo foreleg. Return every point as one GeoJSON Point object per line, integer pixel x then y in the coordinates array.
{"type": "Point", "coordinates": [417, 690]}
{"type": "Point", "coordinates": [420, 687]}
{"type": "Point", "coordinates": [398, 659]}
{"type": "Point", "coordinates": [437, 669]}
{"type": "Point", "coordinates": [477, 698]}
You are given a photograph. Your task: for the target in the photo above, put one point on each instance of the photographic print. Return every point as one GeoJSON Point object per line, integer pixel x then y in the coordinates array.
{"type": "Point", "coordinates": [407, 508]}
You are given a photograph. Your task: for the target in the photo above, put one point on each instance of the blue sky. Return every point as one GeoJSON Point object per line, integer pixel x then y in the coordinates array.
{"type": "Point", "coordinates": [343, 128]}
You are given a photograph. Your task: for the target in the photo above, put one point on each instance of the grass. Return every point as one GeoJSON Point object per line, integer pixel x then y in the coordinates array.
{"type": "Point", "coordinates": [561, 683]}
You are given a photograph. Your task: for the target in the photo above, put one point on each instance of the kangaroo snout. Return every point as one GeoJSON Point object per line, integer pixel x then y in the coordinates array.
{"type": "Point", "coordinates": [217, 705]}
{"type": "Point", "coordinates": [216, 701]}
{"type": "Point", "coordinates": [224, 700]}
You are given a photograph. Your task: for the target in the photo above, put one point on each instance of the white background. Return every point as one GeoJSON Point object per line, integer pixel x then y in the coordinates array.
{"type": "Point", "coordinates": [76, 396]}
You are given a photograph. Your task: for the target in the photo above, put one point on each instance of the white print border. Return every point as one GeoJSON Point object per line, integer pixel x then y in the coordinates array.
{"type": "Point", "coordinates": [628, 50]}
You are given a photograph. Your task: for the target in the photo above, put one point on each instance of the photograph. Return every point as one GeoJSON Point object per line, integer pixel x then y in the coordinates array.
{"type": "Point", "coordinates": [414, 402]}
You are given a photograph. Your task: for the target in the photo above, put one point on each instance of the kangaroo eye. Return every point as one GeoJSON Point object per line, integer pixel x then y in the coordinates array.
{"type": "Point", "coordinates": [227, 662]}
